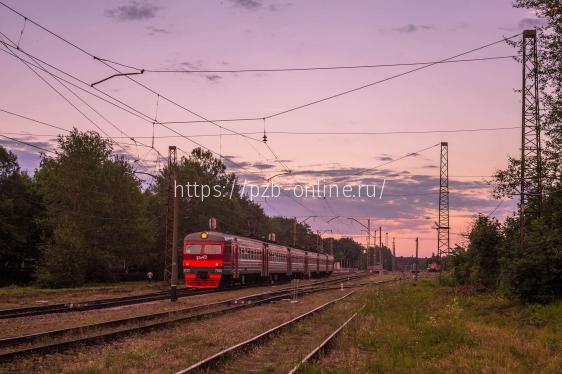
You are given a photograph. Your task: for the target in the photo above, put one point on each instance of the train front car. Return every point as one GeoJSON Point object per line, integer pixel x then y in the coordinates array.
{"type": "Point", "coordinates": [203, 259]}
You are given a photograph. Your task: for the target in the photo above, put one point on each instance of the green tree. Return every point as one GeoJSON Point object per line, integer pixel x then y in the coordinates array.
{"type": "Point", "coordinates": [479, 265]}
{"type": "Point", "coordinates": [348, 251]}
{"type": "Point", "coordinates": [532, 271]}
{"type": "Point", "coordinates": [96, 224]}
{"type": "Point", "coordinates": [20, 206]}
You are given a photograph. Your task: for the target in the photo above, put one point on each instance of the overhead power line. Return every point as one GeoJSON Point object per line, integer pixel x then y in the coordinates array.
{"type": "Point", "coordinates": [144, 86]}
{"type": "Point", "coordinates": [28, 65]}
{"type": "Point", "coordinates": [306, 133]}
{"type": "Point", "coordinates": [108, 64]}
{"type": "Point", "coordinates": [388, 78]}
{"type": "Point", "coordinates": [315, 68]}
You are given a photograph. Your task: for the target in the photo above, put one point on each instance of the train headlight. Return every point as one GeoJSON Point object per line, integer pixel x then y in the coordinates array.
{"type": "Point", "coordinates": [204, 235]}
{"type": "Point", "coordinates": [216, 264]}
{"type": "Point", "coordinates": [187, 264]}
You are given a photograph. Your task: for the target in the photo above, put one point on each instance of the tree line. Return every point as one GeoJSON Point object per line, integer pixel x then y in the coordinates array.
{"type": "Point", "coordinates": [85, 216]}
{"type": "Point", "coordinates": [496, 257]}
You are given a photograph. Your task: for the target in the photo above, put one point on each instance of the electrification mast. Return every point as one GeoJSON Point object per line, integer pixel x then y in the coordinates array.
{"type": "Point", "coordinates": [169, 223]}
{"type": "Point", "coordinates": [530, 204]}
{"type": "Point", "coordinates": [174, 175]}
{"type": "Point", "coordinates": [443, 248]}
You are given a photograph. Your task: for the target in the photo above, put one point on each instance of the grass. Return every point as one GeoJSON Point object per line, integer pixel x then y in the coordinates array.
{"type": "Point", "coordinates": [429, 328]}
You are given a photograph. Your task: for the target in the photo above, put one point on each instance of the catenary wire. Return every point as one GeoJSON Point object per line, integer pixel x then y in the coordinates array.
{"type": "Point", "coordinates": [314, 68]}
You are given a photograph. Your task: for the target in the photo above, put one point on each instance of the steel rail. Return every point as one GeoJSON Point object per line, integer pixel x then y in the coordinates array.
{"type": "Point", "coordinates": [147, 317]}
{"type": "Point", "coordinates": [105, 303]}
{"type": "Point", "coordinates": [213, 360]}
{"type": "Point", "coordinates": [239, 303]}
{"type": "Point", "coordinates": [322, 346]}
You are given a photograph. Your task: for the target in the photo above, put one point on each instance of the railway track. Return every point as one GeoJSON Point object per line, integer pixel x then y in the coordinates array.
{"type": "Point", "coordinates": [323, 346]}
{"type": "Point", "coordinates": [211, 362]}
{"type": "Point", "coordinates": [94, 304]}
{"type": "Point", "coordinates": [276, 348]}
{"type": "Point", "coordinates": [102, 303]}
{"type": "Point", "coordinates": [127, 326]}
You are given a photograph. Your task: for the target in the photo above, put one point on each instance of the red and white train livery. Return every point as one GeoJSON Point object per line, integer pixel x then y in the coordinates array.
{"type": "Point", "coordinates": [213, 258]}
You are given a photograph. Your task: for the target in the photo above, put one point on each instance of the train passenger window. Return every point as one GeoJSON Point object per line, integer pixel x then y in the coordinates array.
{"type": "Point", "coordinates": [193, 249]}
{"type": "Point", "coordinates": [213, 249]}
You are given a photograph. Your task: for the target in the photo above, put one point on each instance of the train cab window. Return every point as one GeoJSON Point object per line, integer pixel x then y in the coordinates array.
{"type": "Point", "coordinates": [213, 249]}
{"type": "Point", "coordinates": [193, 249]}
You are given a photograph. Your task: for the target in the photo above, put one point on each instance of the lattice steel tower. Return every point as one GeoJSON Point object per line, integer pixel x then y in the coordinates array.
{"type": "Point", "coordinates": [530, 204]}
{"type": "Point", "coordinates": [443, 248]}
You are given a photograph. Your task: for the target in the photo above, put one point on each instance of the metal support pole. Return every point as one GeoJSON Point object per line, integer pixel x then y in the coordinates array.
{"type": "Point", "coordinates": [295, 232]}
{"type": "Point", "coordinates": [393, 255]}
{"type": "Point", "coordinates": [417, 264]}
{"type": "Point", "coordinates": [530, 204]}
{"type": "Point", "coordinates": [174, 280]}
{"type": "Point", "coordinates": [380, 249]}
{"type": "Point", "coordinates": [368, 241]}
{"type": "Point", "coordinates": [443, 247]}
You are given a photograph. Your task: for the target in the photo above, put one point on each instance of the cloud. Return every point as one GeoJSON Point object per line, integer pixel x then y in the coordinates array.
{"type": "Point", "coordinates": [263, 166]}
{"type": "Point", "coordinates": [191, 65]}
{"type": "Point", "coordinates": [248, 4]}
{"type": "Point", "coordinates": [28, 157]}
{"type": "Point", "coordinates": [259, 4]}
{"type": "Point", "coordinates": [384, 158]}
{"type": "Point", "coordinates": [531, 23]}
{"type": "Point", "coordinates": [413, 28]}
{"type": "Point", "coordinates": [134, 11]}
{"type": "Point", "coordinates": [213, 77]}
{"type": "Point", "coordinates": [525, 23]}
{"type": "Point", "coordinates": [153, 30]}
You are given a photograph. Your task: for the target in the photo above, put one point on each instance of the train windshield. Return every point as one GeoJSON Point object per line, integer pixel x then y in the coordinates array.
{"type": "Point", "coordinates": [209, 249]}
{"type": "Point", "coordinates": [193, 249]}
{"type": "Point", "coordinates": [213, 249]}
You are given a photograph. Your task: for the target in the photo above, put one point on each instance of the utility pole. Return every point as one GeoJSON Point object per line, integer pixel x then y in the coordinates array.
{"type": "Point", "coordinates": [417, 264]}
{"type": "Point", "coordinates": [531, 164]}
{"type": "Point", "coordinates": [393, 255]}
{"type": "Point", "coordinates": [443, 247]}
{"type": "Point", "coordinates": [386, 240]}
{"type": "Point", "coordinates": [380, 249]}
{"type": "Point", "coordinates": [174, 281]}
{"type": "Point", "coordinates": [375, 250]}
{"type": "Point", "coordinates": [168, 225]}
{"type": "Point", "coordinates": [295, 232]}
{"type": "Point", "coordinates": [368, 241]}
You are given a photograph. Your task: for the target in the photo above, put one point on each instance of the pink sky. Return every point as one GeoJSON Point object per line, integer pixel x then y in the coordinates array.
{"type": "Point", "coordinates": [270, 34]}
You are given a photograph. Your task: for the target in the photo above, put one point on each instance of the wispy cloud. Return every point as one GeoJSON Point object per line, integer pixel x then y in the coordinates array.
{"type": "Point", "coordinates": [134, 11]}
{"type": "Point", "coordinates": [413, 28]}
{"type": "Point", "coordinates": [213, 77]}
{"type": "Point", "coordinates": [525, 23]}
{"type": "Point", "coordinates": [153, 30]}
{"type": "Point", "coordinates": [248, 4]}
{"type": "Point", "coordinates": [259, 4]}
{"type": "Point", "coordinates": [530, 23]}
